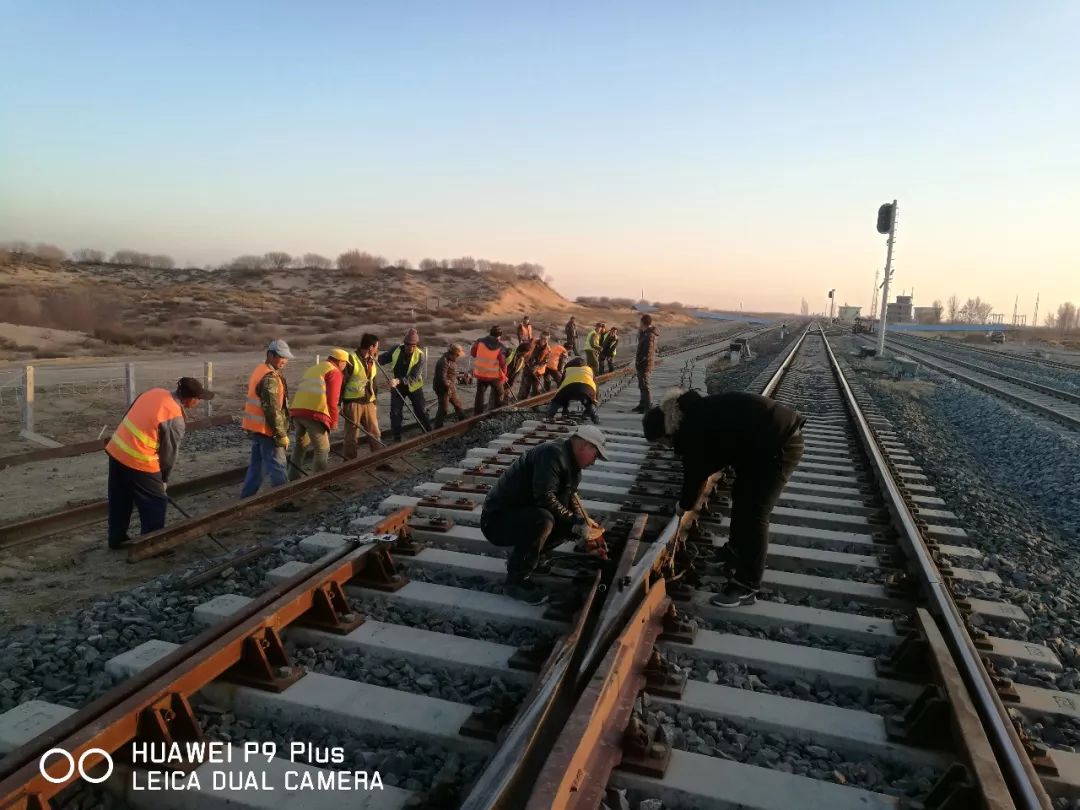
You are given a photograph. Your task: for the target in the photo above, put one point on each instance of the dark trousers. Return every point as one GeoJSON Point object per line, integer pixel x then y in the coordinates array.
{"type": "Point", "coordinates": [129, 489]}
{"type": "Point", "coordinates": [755, 492]}
{"type": "Point", "coordinates": [552, 379]}
{"type": "Point", "coordinates": [529, 530]}
{"type": "Point", "coordinates": [643, 387]}
{"type": "Point", "coordinates": [530, 385]}
{"type": "Point", "coordinates": [447, 397]}
{"type": "Point", "coordinates": [496, 387]}
{"type": "Point", "coordinates": [607, 364]}
{"type": "Point", "coordinates": [397, 408]}
{"type": "Point", "coordinates": [576, 392]}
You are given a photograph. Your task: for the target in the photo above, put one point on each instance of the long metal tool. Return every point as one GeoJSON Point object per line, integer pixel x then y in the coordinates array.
{"type": "Point", "coordinates": [376, 439]}
{"type": "Point", "coordinates": [404, 399]}
{"type": "Point", "coordinates": [305, 473]}
{"type": "Point", "coordinates": [184, 512]}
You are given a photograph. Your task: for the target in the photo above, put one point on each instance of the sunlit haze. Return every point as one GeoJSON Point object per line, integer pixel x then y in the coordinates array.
{"type": "Point", "coordinates": [722, 154]}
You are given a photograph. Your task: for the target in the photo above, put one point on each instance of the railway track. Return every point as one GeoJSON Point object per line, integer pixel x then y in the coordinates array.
{"type": "Point", "coordinates": [862, 678]}
{"type": "Point", "coordinates": [1037, 363]}
{"type": "Point", "coordinates": [815, 696]}
{"type": "Point", "coordinates": [461, 685]}
{"type": "Point", "coordinates": [1053, 403]}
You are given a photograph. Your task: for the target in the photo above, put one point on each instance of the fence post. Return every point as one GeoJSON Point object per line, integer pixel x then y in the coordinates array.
{"type": "Point", "coordinates": [28, 399]}
{"type": "Point", "coordinates": [208, 383]}
{"type": "Point", "coordinates": [129, 382]}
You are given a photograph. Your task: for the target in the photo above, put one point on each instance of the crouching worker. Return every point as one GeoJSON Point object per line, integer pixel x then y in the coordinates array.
{"type": "Point", "coordinates": [532, 508]}
{"type": "Point", "coordinates": [762, 440]}
{"type": "Point", "coordinates": [577, 385]}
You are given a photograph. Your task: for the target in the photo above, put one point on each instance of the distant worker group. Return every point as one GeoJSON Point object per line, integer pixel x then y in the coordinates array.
{"type": "Point", "coordinates": [284, 429]}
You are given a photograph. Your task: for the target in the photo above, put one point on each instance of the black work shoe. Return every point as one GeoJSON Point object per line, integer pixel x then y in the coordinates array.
{"type": "Point", "coordinates": [122, 544]}
{"type": "Point", "coordinates": [734, 594]}
{"type": "Point", "coordinates": [638, 409]}
{"type": "Point", "coordinates": [526, 591]}
{"type": "Point", "coordinates": [288, 506]}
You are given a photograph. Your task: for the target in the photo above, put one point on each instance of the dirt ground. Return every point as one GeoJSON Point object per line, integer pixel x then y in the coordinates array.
{"type": "Point", "coordinates": [79, 399]}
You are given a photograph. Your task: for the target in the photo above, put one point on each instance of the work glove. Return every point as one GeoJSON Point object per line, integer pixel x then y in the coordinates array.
{"type": "Point", "coordinates": [394, 383]}
{"type": "Point", "coordinates": [282, 442]}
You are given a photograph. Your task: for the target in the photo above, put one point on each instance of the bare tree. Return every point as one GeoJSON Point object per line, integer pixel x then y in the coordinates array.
{"type": "Point", "coordinates": [404, 264]}
{"type": "Point", "coordinates": [464, 263]}
{"type": "Point", "coordinates": [17, 246]}
{"type": "Point", "coordinates": [89, 256]}
{"type": "Point", "coordinates": [316, 260]}
{"type": "Point", "coordinates": [1066, 316]}
{"type": "Point", "coordinates": [247, 262]}
{"type": "Point", "coordinates": [975, 310]}
{"type": "Point", "coordinates": [127, 256]}
{"type": "Point", "coordinates": [1050, 319]}
{"type": "Point", "coordinates": [277, 259]}
{"type": "Point", "coordinates": [357, 261]}
{"type": "Point", "coordinates": [804, 308]}
{"type": "Point", "coordinates": [936, 314]}
{"type": "Point", "coordinates": [160, 261]}
{"type": "Point", "coordinates": [429, 264]}
{"type": "Point", "coordinates": [953, 308]}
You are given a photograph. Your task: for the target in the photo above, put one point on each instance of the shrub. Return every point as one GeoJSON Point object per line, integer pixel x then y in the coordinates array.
{"type": "Point", "coordinates": [115, 335]}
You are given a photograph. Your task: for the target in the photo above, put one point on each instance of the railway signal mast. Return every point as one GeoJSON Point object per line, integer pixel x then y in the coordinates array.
{"type": "Point", "coordinates": [886, 223]}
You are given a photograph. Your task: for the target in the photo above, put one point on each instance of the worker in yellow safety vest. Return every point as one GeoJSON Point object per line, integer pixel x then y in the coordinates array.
{"type": "Point", "coordinates": [315, 411]}
{"type": "Point", "coordinates": [594, 342]}
{"type": "Point", "coordinates": [266, 420]}
{"type": "Point", "coordinates": [578, 385]}
{"type": "Point", "coordinates": [142, 452]}
{"type": "Point", "coordinates": [358, 397]}
{"type": "Point", "coordinates": [406, 371]}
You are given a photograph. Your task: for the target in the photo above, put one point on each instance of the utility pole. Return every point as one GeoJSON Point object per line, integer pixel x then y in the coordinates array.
{"type": "Point", "coordinates": [832, 300]}
{"type": "Point", "coordinates": [1035, 317]}
{"type": "Point", "coordinates": [888, 275]}
{"type": "Point", "coordinates": [873, 301]}
{"type": "Point", "coordinates": [1016, 303]}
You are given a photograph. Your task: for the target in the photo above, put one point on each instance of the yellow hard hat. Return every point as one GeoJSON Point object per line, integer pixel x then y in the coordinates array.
{"type": "Point", "coordinates": [339, 354]}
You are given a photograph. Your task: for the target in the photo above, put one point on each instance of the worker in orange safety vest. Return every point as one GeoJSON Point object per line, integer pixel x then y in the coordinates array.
{"type": "Point", "coordinates": [142, 452]}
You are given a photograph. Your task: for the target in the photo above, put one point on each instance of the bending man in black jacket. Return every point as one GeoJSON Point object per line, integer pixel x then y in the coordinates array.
{"type": "Point", "coordinates": [762, 440]}
{"type": "Point", "coordinates": [531, 507]}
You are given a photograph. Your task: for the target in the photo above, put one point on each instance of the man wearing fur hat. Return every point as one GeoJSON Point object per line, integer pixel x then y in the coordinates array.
{"type": "Point", "coordinates": [762, 440]}
{"type": "Point", "coordinates": [406, 369]}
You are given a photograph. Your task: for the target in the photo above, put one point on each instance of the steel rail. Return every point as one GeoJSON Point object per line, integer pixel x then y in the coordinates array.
{"type": "Point", "coordinates": [507, 777]}
{"type": "Point", "coordinates": [1048, 390]}
{"type": "Point", "coordinates": [115, 718]}
{"type": "Point", "coordinates": [774, 381]}
{"type": "Point", "coordinates": [996, 390]}
{"type": "Point", "coordinates": [1015, 765]}
{"type": "Point", "coordinates": [1035, 361]}
{"type": "Point", "coordinates": [611, 676]}
{"type": "Point", "coordinates": [93, 445]}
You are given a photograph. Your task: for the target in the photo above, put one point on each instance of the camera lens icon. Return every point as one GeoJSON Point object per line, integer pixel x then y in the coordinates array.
{"type": "Point", "coordinates": [80, 766]}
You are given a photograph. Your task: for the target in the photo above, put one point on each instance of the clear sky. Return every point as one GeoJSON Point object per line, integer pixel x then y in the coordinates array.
{"type": "Point", "coordinates": [715, 153]}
